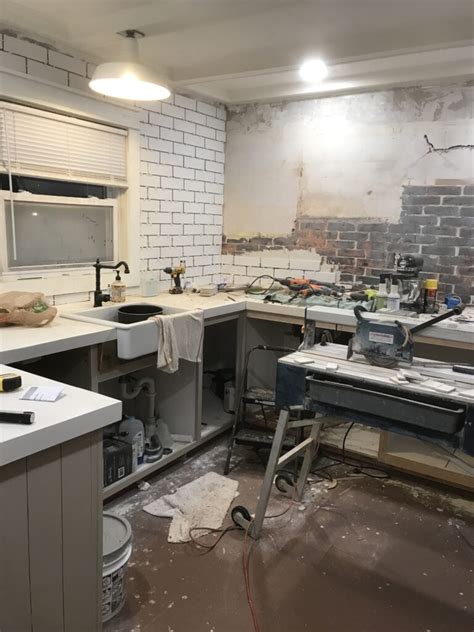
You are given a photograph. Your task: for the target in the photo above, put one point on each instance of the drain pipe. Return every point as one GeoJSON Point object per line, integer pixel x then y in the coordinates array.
{"type": "Point", "coordinates": [145, 385]}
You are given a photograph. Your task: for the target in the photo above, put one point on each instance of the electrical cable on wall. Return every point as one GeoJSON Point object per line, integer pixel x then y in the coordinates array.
{"type": "Point", "coordinates": [444, 150]}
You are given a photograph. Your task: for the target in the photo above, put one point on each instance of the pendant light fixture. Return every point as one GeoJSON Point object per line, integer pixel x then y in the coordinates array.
{"type": "Point", "coordinates": [128, 78]}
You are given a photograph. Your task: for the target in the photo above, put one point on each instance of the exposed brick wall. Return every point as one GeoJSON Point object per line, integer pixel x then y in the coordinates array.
{"type": "Point", "coordinates": [435, 222]}
{"type": "Point", "coordinates": [181, 168]}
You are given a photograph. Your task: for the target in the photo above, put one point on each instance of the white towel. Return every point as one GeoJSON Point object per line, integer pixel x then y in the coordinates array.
{"type": "Point", "coordinates": [203, 502]}
{"type": "Point", "coordinates": [179, 336]}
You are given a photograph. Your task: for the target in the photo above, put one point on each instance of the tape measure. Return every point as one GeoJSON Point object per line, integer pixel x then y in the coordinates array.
{"type": "Point", "coordinates": [9, 382]}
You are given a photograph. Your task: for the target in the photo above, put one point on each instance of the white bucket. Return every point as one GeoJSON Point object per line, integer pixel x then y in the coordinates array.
{"type": "Point", "coordinates": [117, 548]}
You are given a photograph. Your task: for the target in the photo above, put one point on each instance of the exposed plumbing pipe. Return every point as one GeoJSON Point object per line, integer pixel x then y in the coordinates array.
{"type": "Point", "coordinates": [145, 385]}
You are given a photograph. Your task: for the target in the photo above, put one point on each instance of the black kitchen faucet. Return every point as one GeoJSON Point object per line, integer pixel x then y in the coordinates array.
{"type": "Point", "coordinates": [99, 296]}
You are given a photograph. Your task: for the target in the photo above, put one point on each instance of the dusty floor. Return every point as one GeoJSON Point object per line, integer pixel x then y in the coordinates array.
{"type": "Point", "coordinates": [368, 555]}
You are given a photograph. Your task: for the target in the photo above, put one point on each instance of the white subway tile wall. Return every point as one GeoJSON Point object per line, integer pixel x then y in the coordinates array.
{"type": "Point", "coordinates": [181, 168]}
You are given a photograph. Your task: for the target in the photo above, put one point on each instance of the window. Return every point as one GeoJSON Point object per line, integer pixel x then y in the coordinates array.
{"type": "Point", "coordinates": [44, 231]}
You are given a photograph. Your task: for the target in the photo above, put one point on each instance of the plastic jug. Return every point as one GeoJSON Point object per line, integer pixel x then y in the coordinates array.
{"type": "Point", "coordinates": [131, 430]}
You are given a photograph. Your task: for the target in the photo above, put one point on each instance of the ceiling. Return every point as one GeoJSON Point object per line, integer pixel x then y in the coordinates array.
{"type": "Point", "coordinates": [244, 50]}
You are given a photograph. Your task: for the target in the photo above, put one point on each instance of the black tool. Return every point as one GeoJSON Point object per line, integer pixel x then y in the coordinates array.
{"type": "Point", "coordinates": [460, 368]}
{"type": "Point", "coordinates": [26, 417]}
{"type": "Point", "coordinates": [384, 343]}
{"type": "Point", "coordinates": [9, 382]}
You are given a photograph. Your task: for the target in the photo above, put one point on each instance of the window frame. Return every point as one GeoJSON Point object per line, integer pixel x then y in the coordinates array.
{"type": "Point", "coordinates": [18, 272]}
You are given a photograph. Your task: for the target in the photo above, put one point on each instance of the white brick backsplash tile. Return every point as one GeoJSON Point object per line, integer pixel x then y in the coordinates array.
{"type": "Point", "coordinates": [193, 229]}
{"type": "Point", "coordinates": [181, 172]}
{"type": "Point", "coordinates": [147, 229]}
{"type": "Point", "coordinates": [42, 71]}
{"type": "Point", "coordinates": [207, 132]}
{"type": "Point", "coordinates": [183, 240]}
{"type": "Point", "coordinates": [171, 134]}
{"type": "Point", "coordinates": [193, 163]}
{"type": "Point", "coordinates": [184, 102]}
{"type": "Point", "coordinates": [247, 260]}
{"type": "Point", "coordinates": [184, 150]}
{"type": "Point", "coordinates": [162, 121]}
{"type": "Point", "coordinates": [23, 47]}
{"type": "Point", "coordinates": [171, 229]}
{"type": "Point", "coordinates": [158, 240]}
{"type": "Point", "coordinates": [159, 194]}
{"type": "Point", "coordinates": [160, 145]}
{"type": "Point", "coordinates": [183, 196]}
{"type": "Point", "coordinates": [204, 197]}
{"type": "Point", "coordinates": [221, 113]}
{"type": "Point", "coordinates": [149, 205]}
{"type": "Point", "coordinates": [195, 250]}
{"type": "Point", "coordinates": [180, 218]}
{"type": "Point", "coordinates": [143, 193]}
{"type": "Point", "coordinates": [255, 272]}
{"type": "Point", "coordinates": [214, 230]}
{"type": "Point", "coordinates": [214, 166]}
{"type": "Point", "coordinates": [218, 199]}
{"type": "Point", "coordinates": [242, 279]}
{"type": "Point", "coordinates": [212, 250]}
{"type": "Point", "coordinates": [149, 155]}
{"type": "Point", "coordinates": [218, 220]}
{"type": "Point", "coordinates": [221, 136]}
{"type": "Point", "coordinates": [215, 145]}
{"type": "Point", "coordinates": [205, 108]}
{"type": "Point", "coordinates": [161, 218]}
{"type": "Point", "coordinates": [150, 130]}
{"type": "Point", "coordinates": [207, 154]}
{"type": "Point", "coordinates": [215, 123]}
{"type": "Point", "coordinates": [269, 261]}
{"type": "Point", "coordinates": [192, 139]}
{"type": "Point", "coordinates": [195, 117]}
{"type": "Point", "coordinates": [172, 206]}
{"type": "Point", "coordinates": [150, 181]}
{"type": "Point", "coordinates": [171, 252]}
{"type": "Point", "coordinates": [172, 110]}
{"type": "Point", "coordinates": [193, 207]}
{"type": "Point", "coordinates": [160, 170]}
{"type": "Point", "coordinates": [205, 240]}
{"type": "Point", "coordinates": [227, 259]}
{"type": "Point", "coordinates": [284, 272]}
{"type": "Point", "coordinates": [204, 218]}
{"type": "Point", "coordinates": [171, 183]}
{"type": "Point", "coordinates": [66, 62]}
{"type": "Point", "coordinates": [206, 176]}
{"type": "Point", "coordinates": [212, 187]}
{"type": "Point", "coordinates": [205, 260]}
{"type": "Point", "coordinates": [220, 157]}
{"type": "Point", "coordinates": [172, 159]}
{"type": "Point", "coordinates": [184, 126]}
{"type": "Point", "coordinates": [213, 209]}
{"type": "Point", "coordinates": [78, 83]}
{"type": "Point", "coordinates": [193, 185]}
{"type": "Point", "coordinates": [90, 69]}
{"type": "Point", "coordinates": [219, 178]}
{"type": "Point", "coordinates": [12, 62]}
{"type": "Point", "coordinates": [218, 239]}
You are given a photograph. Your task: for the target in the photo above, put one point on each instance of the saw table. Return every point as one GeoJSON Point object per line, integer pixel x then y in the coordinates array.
{"type": "Point", "coordinates": [438, 406]}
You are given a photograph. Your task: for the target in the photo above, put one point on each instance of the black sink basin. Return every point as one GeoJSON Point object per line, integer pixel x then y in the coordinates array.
{"type": "Point", "coordinates": [136, 313]}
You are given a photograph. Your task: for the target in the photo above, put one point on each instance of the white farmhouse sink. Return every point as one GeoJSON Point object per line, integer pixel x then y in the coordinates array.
{"type": "Point", "coordinates": [134, 340]}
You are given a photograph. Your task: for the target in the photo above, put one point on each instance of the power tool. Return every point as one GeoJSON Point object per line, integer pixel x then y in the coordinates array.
{"type": "Point", "coordinates": [176, 273]}
{"type": "Point", "coordinates": [385, 343]}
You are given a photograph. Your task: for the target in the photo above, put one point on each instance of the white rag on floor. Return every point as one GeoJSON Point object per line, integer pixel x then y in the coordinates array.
{"type": "Point", "coordinates": [201, 503]}
{"type": "Point", "coordinates": [179, 336]}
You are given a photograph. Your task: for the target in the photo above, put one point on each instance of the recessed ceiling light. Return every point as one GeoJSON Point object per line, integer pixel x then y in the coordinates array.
{"type": "Point", "coordinates": [129, 79]}
{"type": "Point", "coordinates": [313, 70]}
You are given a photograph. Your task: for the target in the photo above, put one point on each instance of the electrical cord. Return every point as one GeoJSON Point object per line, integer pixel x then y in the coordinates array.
{"type": "Point", "coordinates": [358, 467]}
{"type": "Point", "coordinates": [248, 289]}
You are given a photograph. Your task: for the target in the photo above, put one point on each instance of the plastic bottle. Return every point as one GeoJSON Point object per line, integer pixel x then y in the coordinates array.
{"type": "Point", "coordinates": [131, 430]}
{"type": "Point", "coordinates": [381, 299]}
{"type": "Point", "coordinates": [117, 290]}
{"type": "Point", "coordinates": [393, 299]}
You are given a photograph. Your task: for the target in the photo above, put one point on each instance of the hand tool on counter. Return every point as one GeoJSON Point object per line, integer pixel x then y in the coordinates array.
{"type": "Point", "coordinates": [385, 343]}
{"type": "Point", "coordinates": [175, 274]}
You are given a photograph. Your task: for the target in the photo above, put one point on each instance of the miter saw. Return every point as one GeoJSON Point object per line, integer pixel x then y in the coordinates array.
{"type": "Point", "coordinates": [386, 343]}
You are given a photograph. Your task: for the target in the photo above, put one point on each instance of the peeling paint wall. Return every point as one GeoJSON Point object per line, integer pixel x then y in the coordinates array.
{"type": "Point", "coordinates": [342, 156]}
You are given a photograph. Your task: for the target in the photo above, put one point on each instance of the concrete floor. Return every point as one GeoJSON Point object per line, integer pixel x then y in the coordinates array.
{"type": "Point", "coordinates": [368, 555]}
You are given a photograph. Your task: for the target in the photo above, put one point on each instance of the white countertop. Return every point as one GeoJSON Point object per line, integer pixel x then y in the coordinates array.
{"type": "Point", "coordinates": [24, 343]}
{"type": "Point", "coordinates": [76, 413]}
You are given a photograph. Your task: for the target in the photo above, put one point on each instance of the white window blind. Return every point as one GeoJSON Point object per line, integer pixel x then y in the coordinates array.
{"type": "Point", "coordinates": [45, 144]}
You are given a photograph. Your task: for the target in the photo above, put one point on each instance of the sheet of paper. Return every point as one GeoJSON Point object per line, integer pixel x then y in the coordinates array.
{"type": "Point", "coordinates": [43, 393]}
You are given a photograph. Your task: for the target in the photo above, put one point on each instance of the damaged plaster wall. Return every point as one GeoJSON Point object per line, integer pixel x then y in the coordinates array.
{"type": "Point", "coordinates": [338, 157]}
